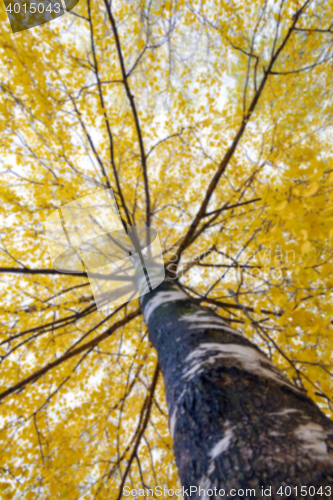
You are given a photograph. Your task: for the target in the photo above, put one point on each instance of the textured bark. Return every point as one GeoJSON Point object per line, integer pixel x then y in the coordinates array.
{"type": "Point", "coordinates": [235, 419]}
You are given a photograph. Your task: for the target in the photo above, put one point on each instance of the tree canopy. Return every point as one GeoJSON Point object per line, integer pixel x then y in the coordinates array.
{"type": "Point", "coordinates": [211, 121]}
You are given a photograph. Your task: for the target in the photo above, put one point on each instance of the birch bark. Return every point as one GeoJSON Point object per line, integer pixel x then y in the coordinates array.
{"type": "Point", "coordinates": [236, 421]}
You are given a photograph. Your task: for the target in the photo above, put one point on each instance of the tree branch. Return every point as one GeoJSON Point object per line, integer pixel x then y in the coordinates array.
{"type": "Point", "coordinates": [92, 343]}
{"type": "Point", "coordinates": [230, 152]}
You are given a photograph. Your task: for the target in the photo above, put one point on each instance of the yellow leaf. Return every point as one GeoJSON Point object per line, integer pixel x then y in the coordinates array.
{"type": "Point", "coordinates": [306, 247]}
{"type": "Point", "coordinates": [313, 188]}
{"type": "Point", "coordinates": [304, 234]}
{"type": "Point", "coordinates": [281, 206]}
{"type": "Point", "coordinates": [257, 308]}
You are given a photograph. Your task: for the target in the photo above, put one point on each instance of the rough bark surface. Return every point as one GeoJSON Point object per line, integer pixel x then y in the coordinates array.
{"type": "Point", "coordinates": [236, 421]}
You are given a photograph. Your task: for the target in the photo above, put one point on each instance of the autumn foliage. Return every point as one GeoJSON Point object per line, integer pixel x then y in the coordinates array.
{"type": "Point", "coordinates": [212, 122]}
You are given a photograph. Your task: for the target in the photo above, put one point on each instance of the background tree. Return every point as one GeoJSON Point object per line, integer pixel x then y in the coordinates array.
{"type": "Point", "coordinates": [211, 122]}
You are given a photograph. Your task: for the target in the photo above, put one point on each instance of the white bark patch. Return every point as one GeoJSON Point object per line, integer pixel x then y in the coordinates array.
{"type": "Point", "coordinates": [193, 369]}
{"type": "Point", "coordinates": [172, 422]}
{"type": "Point", "coordinates": [205, 484]}
{"type": "Point", "coordinates": [160, 299]}
{"type": "Point", "coordinates": [220, 447]}
{"type": "Point", "coordinates": [201, 317]}
{"type": "Point", "coordinates": [313, 437]}
{"type": "Point", "coordinates": [248, 357]}
{"type": "Point", "coordinates": [285, 412]}
{"type": "Point", "coordinates": [211, 469]}
{"type": "Point", "coordinates": [197, 353]}
{"type": "Point", "coordinates": [173, 418]}
{"type": "Point", "coordinates": [217, 326]}
{"type": "Point", "coordinates": [204, 319]}
{"type": "Point", "coordinates": [223, 444]}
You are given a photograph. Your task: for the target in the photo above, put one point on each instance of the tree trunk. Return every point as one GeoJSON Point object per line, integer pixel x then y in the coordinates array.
{"type": "Point", "coordinates": [236, 421]}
